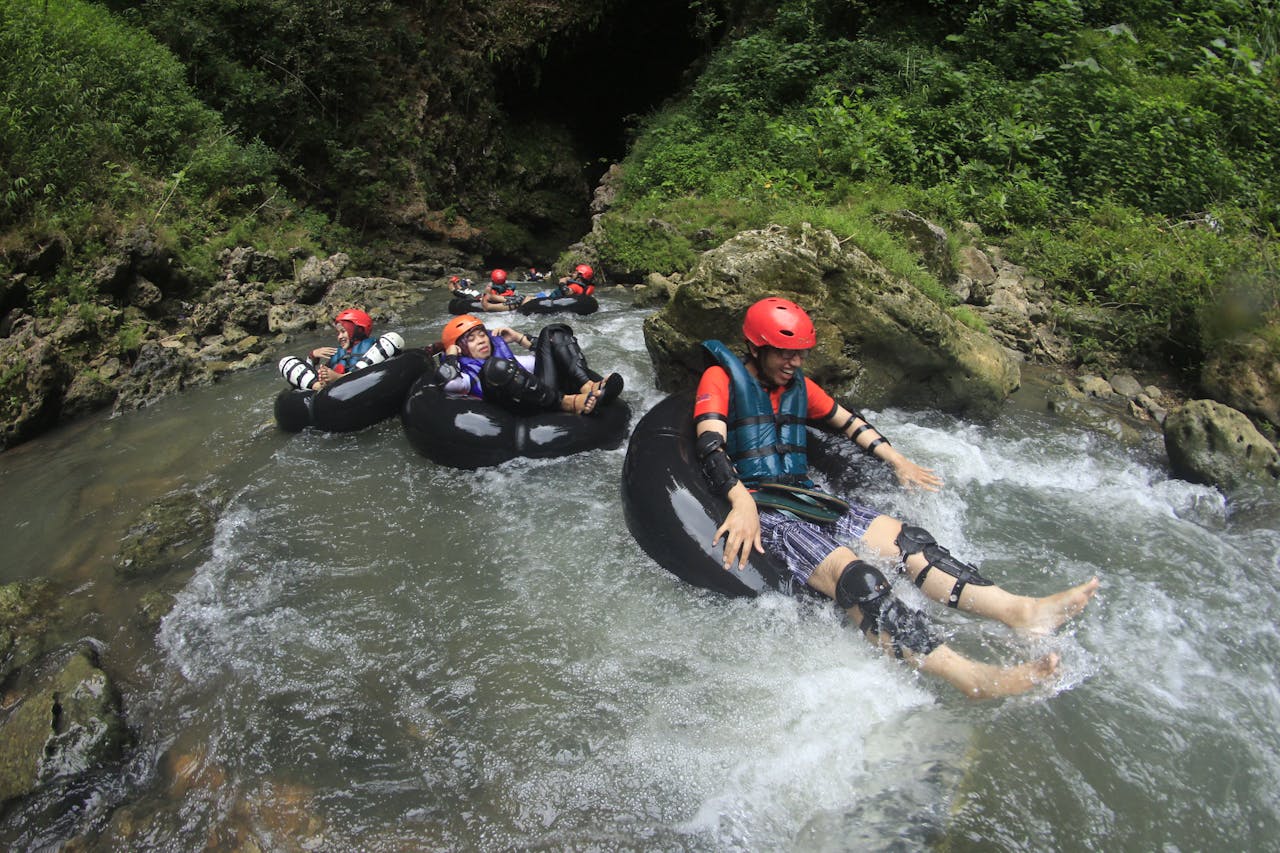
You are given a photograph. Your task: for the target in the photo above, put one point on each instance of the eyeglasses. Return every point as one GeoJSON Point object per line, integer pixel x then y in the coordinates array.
{"type": "Point", "coordinates": [791, 355]}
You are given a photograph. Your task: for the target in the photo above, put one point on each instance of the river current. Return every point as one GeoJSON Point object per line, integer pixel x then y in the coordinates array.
{"type": "Point", "coordinates": [380, 653]}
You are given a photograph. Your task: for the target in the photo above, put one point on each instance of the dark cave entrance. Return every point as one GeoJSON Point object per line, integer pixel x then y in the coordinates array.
{"type": "Point", "coordinates": [597, 85]}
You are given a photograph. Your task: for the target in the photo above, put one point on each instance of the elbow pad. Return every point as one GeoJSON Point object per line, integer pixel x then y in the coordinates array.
{"type": "Point", "coordinates": [448, 370]}
{"type": "Point", "coordinates": [716, 465]}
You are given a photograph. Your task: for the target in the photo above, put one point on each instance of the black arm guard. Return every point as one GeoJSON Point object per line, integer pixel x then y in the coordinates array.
{"type": "Point", "coordinates": [448, 370]}
{"type": "Point", "coordinates": [716, 465]}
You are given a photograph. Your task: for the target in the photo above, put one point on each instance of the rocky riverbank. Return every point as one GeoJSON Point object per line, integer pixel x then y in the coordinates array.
{"type": "Point", "coordinates": [881, 340]}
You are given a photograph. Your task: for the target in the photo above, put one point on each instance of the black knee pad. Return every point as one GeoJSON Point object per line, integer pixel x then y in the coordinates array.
{"type": "Point", "coordinates": [862, 585]}
{"type": "Point", "coordinates": [917, 540]}
{"type": "Point", "coordinates": [859, 584]}
{"type": "Point", "coordinates": [509, 382]}
{"type": "Point", "coordinates": [498, 372]}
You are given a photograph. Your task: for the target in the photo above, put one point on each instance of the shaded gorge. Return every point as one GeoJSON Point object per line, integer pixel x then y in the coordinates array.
{"type": "Point", "coordinates": [380, 653]}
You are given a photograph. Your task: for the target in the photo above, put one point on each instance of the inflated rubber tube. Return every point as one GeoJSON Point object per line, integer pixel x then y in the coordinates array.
{"type": "Point", "coordinates": [561, 305]}
{"type": "Point", "coordinates": [463, 432]}
{"type": "Point", "coordinates": [354, 401]}
{"type": "Point", "coordinates": [672, 513]}
{"type": "Point", "coordinates": [465, 305]}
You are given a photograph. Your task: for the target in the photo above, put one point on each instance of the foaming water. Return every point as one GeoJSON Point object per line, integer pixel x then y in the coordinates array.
{"type": "Point", "coordinates": [380, 653]}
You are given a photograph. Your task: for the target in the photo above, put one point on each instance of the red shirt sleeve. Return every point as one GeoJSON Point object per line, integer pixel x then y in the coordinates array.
{"type": "Point", "coordinates": [821, 404]}
{"type": "Point", "coordinates": [713, 393]}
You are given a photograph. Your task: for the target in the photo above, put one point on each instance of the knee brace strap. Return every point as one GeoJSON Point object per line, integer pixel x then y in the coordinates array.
{"type": "Point", "coordinates": [862, 585]}
{"type": "Point", "coordinates": [917, 540]}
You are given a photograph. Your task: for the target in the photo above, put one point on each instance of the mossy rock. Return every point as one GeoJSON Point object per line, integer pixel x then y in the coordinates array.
{"type": "Point", "coordinates": [879, 338]}
{"type": "Point", "coordinates": [175, 532]}
{"type": "Point", "coordinates": [26, 609]}
{"type": "Point", "coordinates": [68, 723]}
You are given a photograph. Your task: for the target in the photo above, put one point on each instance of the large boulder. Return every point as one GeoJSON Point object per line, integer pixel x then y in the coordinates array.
{"type": "Point", "coordinates": [1244, 373]}
{"type": "Point", "coordinates": [1208, 442]}
{"type": "Point", "coordinates": [878, 336]}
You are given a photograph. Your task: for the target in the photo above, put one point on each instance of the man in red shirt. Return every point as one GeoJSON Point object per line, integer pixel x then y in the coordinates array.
{"type": "Point", "coordinates": [750, 416]}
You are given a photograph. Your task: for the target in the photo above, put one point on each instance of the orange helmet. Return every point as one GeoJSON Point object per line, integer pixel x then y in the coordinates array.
{"type": "Point", "coordinates": [585, 271]}
{"type": "Point", "coordinates": [498, 276]}
{"type": "Point", "coordinates": [774, 322]}
{"type": "Point", "coordinates": [361, 323]}
{"type": "Point", "coordinates": [457, 327]}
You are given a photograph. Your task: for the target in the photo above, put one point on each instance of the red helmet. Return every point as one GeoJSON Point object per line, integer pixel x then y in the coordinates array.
{"type": "Point", "coordinates": [453, 279]}
{"type": "Point", "coordinates": [774, 322]}
{"type": "Point", "coordinates": [362, 322]}
{"type": "Point", "coordinates": [585, 271]}
{"type": "Point", "coordinates": [498, 276]}
{"type": "Point", "coordinates": [457, 327]}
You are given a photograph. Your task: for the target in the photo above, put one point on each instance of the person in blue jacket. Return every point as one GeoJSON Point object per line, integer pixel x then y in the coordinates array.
{"type": "Point", "coordinates": [552, 375]}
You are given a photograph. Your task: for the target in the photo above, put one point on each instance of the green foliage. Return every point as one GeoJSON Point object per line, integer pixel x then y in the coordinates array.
{"type": "Point", "coordinates": [95, 112]}
{"type": "Point", "coordinates": [1162, 281]}
{"type": "Point", "coordinates": [1089, 135]}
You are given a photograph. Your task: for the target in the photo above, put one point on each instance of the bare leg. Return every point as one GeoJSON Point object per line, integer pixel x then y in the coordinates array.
{"type": "Point", "coordinates": [976, 680]}
{"type": "Point", "coordinates": [1032, 615]}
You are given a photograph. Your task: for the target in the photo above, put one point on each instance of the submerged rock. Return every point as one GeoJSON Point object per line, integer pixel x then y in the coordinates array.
{"type": "Point", "coordinates": [173, 533]}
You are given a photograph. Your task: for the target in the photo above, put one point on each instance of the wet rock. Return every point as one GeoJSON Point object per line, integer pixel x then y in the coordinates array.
{"type": "Point", "coordinates": [657, 290]}
{"type": "Point", "coordinates": [175, 532]}
{"type": "Point", "coordinates": [1211, 443]}
{"type": "Point", "coordinates": [66, 723]}
{"type": "Point", "coordinates": [1096, 386]}
{"type": "Point", "coordinates": [1151, 408]}
{"type": "Point", "coordinates": [88, 392]}
{"type": "Point", "coordinates": [152, 608]}
{"type": "Point", "coordinates": [876, 333]}
{"type": "Point", "coordinates": [159, 371]}
{"type": "Point", "coordinates": [26, 610]}
{"type": "Point", "coordinates": [33, 378]}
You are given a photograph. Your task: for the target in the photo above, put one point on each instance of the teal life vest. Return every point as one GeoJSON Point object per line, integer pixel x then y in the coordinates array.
{"type": "Point", "coordinates": [767, 447]}
{"type": "Point", "coordinates": [344, 360]}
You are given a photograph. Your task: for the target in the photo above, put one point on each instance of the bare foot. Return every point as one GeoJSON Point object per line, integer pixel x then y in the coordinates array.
{"type": "Point", "coordinates": [1044, 615]}
{"type": "Point", "coordinates": [981, 681]}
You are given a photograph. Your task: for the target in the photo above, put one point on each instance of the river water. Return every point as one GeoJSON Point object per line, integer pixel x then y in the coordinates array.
{"type": "Point", "coordinates": [383, 654]}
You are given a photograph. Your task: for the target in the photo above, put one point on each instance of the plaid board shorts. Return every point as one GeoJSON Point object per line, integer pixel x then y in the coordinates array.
{"type": "Point", "coordinates": [804, 544]}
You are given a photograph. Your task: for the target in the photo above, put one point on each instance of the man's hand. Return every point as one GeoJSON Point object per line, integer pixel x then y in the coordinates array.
{"type": "Point", "coordinates": [740, 530]}
{"type": "Point", "coordinates": [912, 476]}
